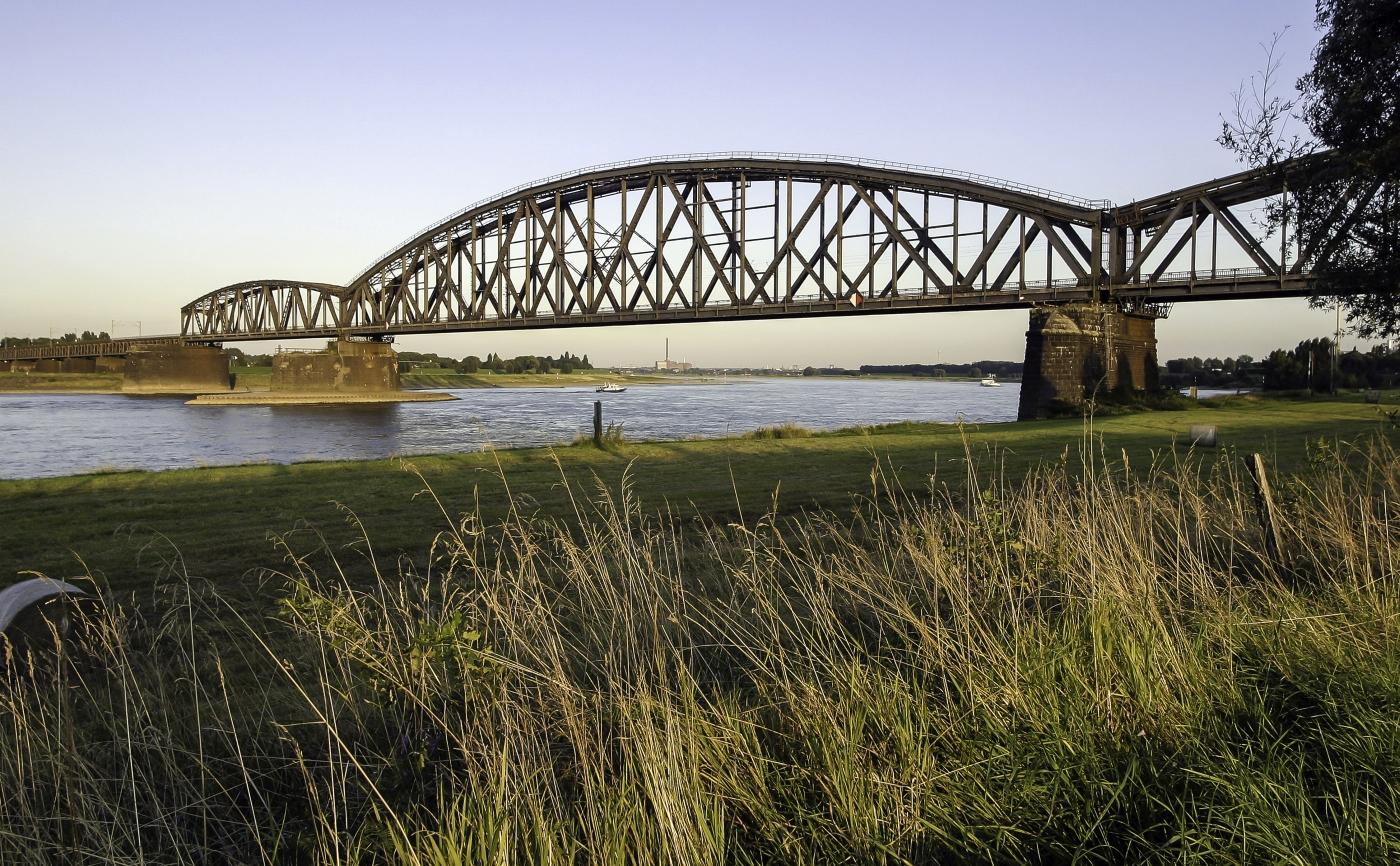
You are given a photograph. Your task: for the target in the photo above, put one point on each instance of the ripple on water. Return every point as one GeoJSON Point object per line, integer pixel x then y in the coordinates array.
{"type": "Point", "coordinates": [62, 434]}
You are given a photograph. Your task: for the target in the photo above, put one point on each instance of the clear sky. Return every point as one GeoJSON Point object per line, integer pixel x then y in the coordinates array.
{"type": "Point", "coordinates": [151, 152]}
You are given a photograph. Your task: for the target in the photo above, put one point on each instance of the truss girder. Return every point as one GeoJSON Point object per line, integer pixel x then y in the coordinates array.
{"type": "Point", "coordinates": [264, 307]}
{"type": "Point", "coordinates": [712, 233]}
{"type": "Point", "coordinates": [748, 238]}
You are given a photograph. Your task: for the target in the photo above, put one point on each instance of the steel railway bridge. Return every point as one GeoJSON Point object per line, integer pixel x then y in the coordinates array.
{"type": "Point", "coordinates": [767, 235]}
{"type": "Point", "coordinates": [736, 236]}
{"type": "Point", "coordinates": [752, 236]}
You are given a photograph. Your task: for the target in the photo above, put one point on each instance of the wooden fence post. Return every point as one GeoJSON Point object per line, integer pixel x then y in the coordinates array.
{"type": "Point", "coordinates": [598, 423]}
{"type": "Point", "coordinates": [1264, 501]}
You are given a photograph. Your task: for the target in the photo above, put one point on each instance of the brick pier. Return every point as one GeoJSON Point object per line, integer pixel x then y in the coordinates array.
{"type": "Point", "coordinates": [1075, 351]}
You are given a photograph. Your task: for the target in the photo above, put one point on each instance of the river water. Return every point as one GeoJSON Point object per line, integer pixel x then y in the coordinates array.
{"type": "Point", "coordinates": [65, 434]}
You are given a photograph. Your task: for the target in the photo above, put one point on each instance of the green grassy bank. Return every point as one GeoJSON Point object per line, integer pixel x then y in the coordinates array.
{"type": "Point", "coordinates": [13, 382]}
{"type": "Point", "coordinates": [220, 518]}
{"type": "Point", "coordinates": [1084, 660]}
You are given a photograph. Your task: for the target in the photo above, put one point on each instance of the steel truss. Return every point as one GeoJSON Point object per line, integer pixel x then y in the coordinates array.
{"type": "Point", "coordinates": [755, 236]}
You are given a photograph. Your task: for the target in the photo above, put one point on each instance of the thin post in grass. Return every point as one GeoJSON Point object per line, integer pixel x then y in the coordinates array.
{"type": "Point", "coordinates": [598, 423]}
{"type": "Point", "coordinates": [1264, 501]}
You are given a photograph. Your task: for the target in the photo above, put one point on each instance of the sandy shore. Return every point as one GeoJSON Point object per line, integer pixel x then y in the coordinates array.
{"type": "Point", "coordinates": [267, 398]}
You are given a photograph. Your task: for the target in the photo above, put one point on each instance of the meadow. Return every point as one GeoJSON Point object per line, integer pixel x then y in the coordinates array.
{"type": "Point", "coordinates": [220, 518]}
{"type": "Point", "coordinates": [11, 381]}
{"type": "Point", "coordinates": [1053, 642]}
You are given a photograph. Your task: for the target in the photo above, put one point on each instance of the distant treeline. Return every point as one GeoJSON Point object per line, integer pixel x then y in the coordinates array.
{"type": "Point", "coordinates": [1240, 372]}
{"type": "Point", "coordinates": [1007, 369]}
{"type": "Point", "coordinates": [977, 371]}
{"type": "Point", "coordinates": [565, 363]}
{"type": "Point", "coordinates": [1287, 369]}
{"type": "Point", "coordinates": [84, 337]}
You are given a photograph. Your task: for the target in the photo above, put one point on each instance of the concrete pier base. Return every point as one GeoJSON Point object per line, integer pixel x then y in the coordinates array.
{"type": "Point", "coordinates": [345, 367]}
{"type": "Point", "coordinates": [79, 365]}
{"type": "Point", "coordinates": [1077, 351]}
{"type": "Point", "coordinates": [175, 369]}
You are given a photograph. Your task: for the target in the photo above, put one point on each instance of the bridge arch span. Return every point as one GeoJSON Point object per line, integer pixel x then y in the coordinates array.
{"type": "Point", "coordinates": [735, 235]}
{"type": "Point", "coordinates": [767, 235]}
{"type": "Point", "coordinates": [265, 308]}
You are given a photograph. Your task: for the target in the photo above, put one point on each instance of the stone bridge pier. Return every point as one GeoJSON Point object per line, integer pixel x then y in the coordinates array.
{"type": "Point", "coordinates": [344, 367]}
{"type": "Point", "coordinates": [1082, 351]}
{"type": "Point", "coordinates": [173, 368]}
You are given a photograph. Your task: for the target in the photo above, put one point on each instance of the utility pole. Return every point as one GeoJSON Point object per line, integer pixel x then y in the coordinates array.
{"type": "Point", "coordinates": [1336, 349]}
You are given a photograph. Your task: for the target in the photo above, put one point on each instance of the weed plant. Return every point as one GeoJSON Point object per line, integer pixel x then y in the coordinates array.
{"type": "Point", "coordinates": [1089, 666]}
{"type": "Point", "coordinates": [780, 431]}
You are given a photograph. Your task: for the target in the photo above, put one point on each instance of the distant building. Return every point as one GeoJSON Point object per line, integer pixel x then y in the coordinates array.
{"type": "Point", "coordinates": [669, 365]}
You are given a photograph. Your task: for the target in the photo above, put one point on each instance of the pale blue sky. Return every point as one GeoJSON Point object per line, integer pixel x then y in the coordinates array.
{"type": "Point", "coordinates": [150, 152]}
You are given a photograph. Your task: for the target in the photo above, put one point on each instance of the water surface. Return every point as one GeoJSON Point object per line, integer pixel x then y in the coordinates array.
{"type": "Point", "coordinates": [63, 434]}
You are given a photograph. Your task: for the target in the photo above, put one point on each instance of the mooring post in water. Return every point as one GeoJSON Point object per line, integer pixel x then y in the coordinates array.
{"type": "Point", "coordinates": [1264, 501]}
{"type": "Point", "coordinates": [598, 423]}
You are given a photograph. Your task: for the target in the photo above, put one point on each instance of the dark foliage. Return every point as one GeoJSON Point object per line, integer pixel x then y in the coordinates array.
{"type": "Point", "coordinates": [1344, 208]}
{"type": "Point", "coordinates": [1351, 103]}
{"type": "Point", "coordinates": [1289, 370]}
{"type": "Point", "coordinates": [977, 370]}
{"type": "Point", "coordinates": [84, 337]}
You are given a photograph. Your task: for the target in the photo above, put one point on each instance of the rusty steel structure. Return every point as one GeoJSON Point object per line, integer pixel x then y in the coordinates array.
{"type": "Point", "coordinates": [749, 236]}
{"type": "Point", "coordinates": [768, 235]}
{"type": "Point", "coordinates": [86, 349]}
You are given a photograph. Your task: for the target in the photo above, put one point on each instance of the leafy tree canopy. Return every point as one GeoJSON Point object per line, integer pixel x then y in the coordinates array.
{"type": "Point", "coordinates": [1347, 207]}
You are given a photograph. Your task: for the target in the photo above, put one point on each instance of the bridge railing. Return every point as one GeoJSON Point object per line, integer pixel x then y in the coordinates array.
{"type": "Point", "coordinates": [783, 156]}
{"type": "Point", "coordinates": [1204, 274]}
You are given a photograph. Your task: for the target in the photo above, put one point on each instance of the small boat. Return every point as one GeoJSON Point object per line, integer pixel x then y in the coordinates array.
{"type": "Point", "coordinates": [610, 388]}
{"type": "Point", "coordinates": [991, 382]}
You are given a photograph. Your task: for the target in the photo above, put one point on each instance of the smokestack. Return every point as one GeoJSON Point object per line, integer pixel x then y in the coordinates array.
{"type": "Point", "coordinates": [668, 351]}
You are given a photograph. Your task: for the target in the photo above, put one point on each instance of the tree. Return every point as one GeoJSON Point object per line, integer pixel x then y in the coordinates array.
{"type": "Point", "coordinates": [1344, 206]}
{"type": "Point", "coordinates": [809, 371]}
{"type": "Point", "coordinates": [1284, 370]}
{"type": "Point", "coordinates": [1351, 102]}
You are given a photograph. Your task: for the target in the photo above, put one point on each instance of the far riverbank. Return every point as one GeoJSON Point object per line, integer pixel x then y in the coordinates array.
{"type": "Point", "coordinates": [59, 383]}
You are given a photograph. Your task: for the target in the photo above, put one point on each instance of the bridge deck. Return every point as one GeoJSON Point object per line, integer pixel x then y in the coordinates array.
{"type": "Point", "coordinates": [91, 349]}
{"type": "Point", "coordinates": [1235, 284]}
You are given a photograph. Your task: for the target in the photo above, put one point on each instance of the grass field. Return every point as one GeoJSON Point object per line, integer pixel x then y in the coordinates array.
{"type": "Point", "coordinates": [15, 382]}
{"type": "Point", "coordinates": [221, 518]}
{"type": "Point", "coordinates": [1050, 653]}
{"type": "Point", "coordinates": [251, 378]}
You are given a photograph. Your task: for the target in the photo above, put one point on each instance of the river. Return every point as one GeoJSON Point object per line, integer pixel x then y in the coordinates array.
{"type": "Point", "coordinates": [65, 434]}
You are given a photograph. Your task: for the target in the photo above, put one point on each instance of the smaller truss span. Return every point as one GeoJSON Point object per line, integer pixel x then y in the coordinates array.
{"type": "Point", "coordinates": [264, 307]}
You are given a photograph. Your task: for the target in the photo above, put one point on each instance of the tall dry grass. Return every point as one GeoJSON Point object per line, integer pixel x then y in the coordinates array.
{"type": "Point", "coordinates": [1098, 666]}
